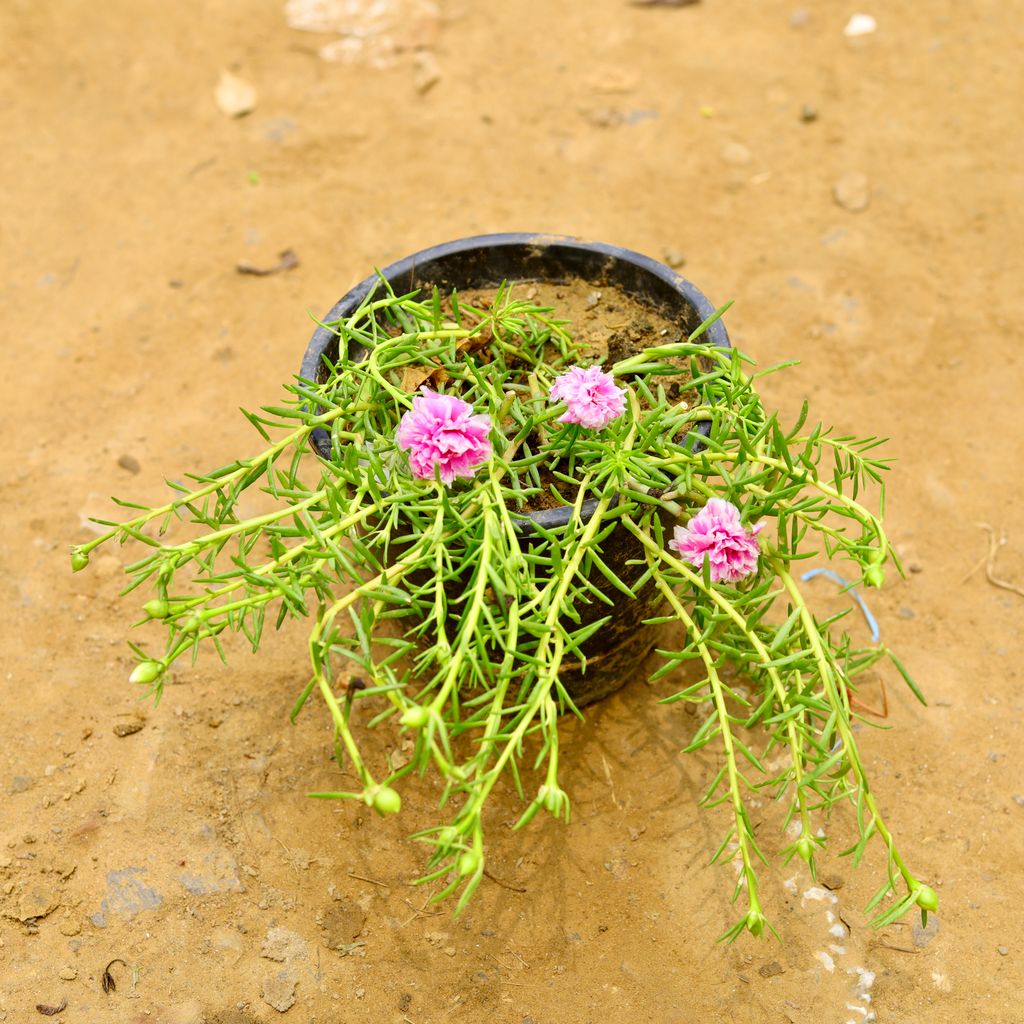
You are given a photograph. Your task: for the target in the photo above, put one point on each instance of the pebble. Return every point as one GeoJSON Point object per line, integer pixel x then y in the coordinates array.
{"type": "Point", "coordinates": [673, 257]}
{"type": "Point", "coordinates": [592, 300]}
{"type": "Point", "coordinates": [282, 944]}
{"type": "Point", "coordinates": [235, 96]}
{"type": "Point", "coordinates": [736, 153]}
{"type": "Point", "coordinates": [800, 17]}
{"type": "Point", "coordinates": [860, 25]}
{"type": "Point", "coordinates": [37, 903]}
{"type": "Point", "coordinates": [852, 192]}
{"type": "Point", "coordinates": [923, 935]}
{"type": "Point", "coordinates": [426, 72]}
{"type": "Point", "coordinates": [129, 463]}
{"type": "Point", "coordinates": [279, 991]}
{"type": "Point", "coordinates": [832, 882]}
{"type": "Point", "coordinates": [808, 113]}
{"type": "Point", "coordinates": [1018, 799]}
{"type": "Point", "coordinates": [343, 921]}
{"type": "Point", "coordinates": [123, 729]}
{"type": "Point", "coordinates": [68, 973]}
{"type": "Point", "coordinates": [771, 970]}
{"type": "Point", "coordinates": [1002, 950]}
{"type": "Point", "coordinates": [905, 613]}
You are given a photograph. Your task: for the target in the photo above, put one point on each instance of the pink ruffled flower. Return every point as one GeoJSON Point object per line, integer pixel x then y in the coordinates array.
{"type": "Point", "coordinates": [441, 432]}
{"type": "Point", "coordinates": [592, 398]}
{"type": "Point", "coordinates": [716, 532]}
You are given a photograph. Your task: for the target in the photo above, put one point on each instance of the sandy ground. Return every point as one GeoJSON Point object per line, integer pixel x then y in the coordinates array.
{"type": "Point", "coordinates": [187, 849]}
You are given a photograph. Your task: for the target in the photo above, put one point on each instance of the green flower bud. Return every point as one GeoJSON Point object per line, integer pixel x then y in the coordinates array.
{"type": "Point", "coordinates": [191, 624]}
{"type": "Point", "coordinates": [927, 898]}
{"type": "Point", "coordinates": [79, 560]}
{"type": "Point", "coordinates": [147, 672]}
{"type": "Point", "coordinates": [415, 717]}
{"type": "Point", "coordinates": [386, 801]}
{"type": "Point", "coordinates": [805, 848]}
{"type": "Point", "coordinates": [157, 608]}
{"type": "Point", "coordinates": [553, 799]}
{"type": "Point", "coordinates": [755, 923]}
{"type": "Point", "coordinates": [448, 836]}
{"type": "Point", "coordinates": [468, 862]}
{"type": "Point", "coordinates": [874, 576]}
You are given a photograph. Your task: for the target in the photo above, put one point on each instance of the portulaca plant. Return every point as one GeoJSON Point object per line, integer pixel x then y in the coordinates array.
{"type": "Point", "coordinates": [439, 603]}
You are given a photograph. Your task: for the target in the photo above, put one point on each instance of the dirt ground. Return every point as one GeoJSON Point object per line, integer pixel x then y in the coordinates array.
{"type": "Point", "coordinates": [727, 133]}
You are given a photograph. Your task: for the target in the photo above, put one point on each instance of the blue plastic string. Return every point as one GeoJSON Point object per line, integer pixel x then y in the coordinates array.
{"type": "Point", "coordinates": [836, 578]}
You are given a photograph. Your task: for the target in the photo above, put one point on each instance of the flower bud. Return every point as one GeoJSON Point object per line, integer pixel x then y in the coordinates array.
{"type": "Point", "coordinates": [874, 576]}
{"type": "Point", "coordinates": [468, 862]}
{"type": "Point", "coordinates": [191, 624]}
{"type": "Point", "coordinates": [147, 672]}
{"type": "Point", "coordinates": [448, 836]}
{"type": "Point", "coordinates": [755, 923]}
{"type": "Point", "coordinates": [386, 801]}
{"type": "Point", "coordinates": [157, 608]}
{"type": "Point", "coordinates": [79, 560]}
{"type": "Point", "coordinates": [805, 848]}
{"type": "Point", "coordinates": [927, 898]}
{"type": "Point", "coordinates": [415, 717]}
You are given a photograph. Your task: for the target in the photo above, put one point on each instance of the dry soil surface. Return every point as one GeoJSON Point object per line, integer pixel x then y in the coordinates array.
{"type": "Point", "coordinates": [859, 198]}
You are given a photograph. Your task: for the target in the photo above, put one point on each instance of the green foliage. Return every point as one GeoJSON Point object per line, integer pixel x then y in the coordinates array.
{"type": "Point", "coordinates": [460, 624]}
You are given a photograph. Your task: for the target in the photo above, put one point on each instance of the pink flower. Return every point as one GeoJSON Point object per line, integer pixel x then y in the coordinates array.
{"type": "Point", "coordinates": [591, 395]}
{"type": "Point", "coordinates": [441, 432]}
{"type": "Point", "coordinates": [716, 532]}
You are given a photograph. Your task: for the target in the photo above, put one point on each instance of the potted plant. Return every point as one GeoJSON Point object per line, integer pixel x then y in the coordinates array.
{"type": "Point", "coordinates": [489, 513]}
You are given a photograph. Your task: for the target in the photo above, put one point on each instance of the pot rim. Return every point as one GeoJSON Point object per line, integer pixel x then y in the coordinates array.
{"type": "Point", "coordinates": [494, 250]}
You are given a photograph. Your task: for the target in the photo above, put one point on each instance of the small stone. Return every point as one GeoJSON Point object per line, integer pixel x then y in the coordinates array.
{"type": "Point", "coordinates": [852, 192]}
{"type": "Point", "coordinates": [123, 729]}
{"type": "Point", "coordinates": [21, 783]}
{"type": "Point", "coordinates": [923, 935]}
{"type": "Point", "coordinates": [771, 970]}
{"type": "Point", "coordinates": [69, 926]}
{"type": "Point", "coordinates": [279, 991]}
{"type": "Point", "coordinates": [360, 993]}
{"type": "Point", "coordinates": [736, 153]}
{"type": "Point", "coordinates": [860, 25]}
{"type": "Point", "coordinates": [1002, 950]}
{"type": "Point", "coordinates": [592, 300]}
{"type": "Point", "coordinates": [449, 951]}
{"type": "Point", "coordinates": [68, 973]}
{"type": "Point", "coordinates": [915, 567]}
{"type": "Point", "coordinates": [234, 95]}
{"type": "Point", "coordinates": [404, 1001]}
{"type": "Point", "coordinates": [426, 72]}
{"type": "Point", "coordinates": [343, 921]}
{"type": "Point", "coordinates": [37, 903]}
{"type": "Point", "coordinates": [673, 257]}
{"type": "Point", "coordinates": [808, 113]}
{"type": "Point", "coordinates": [1018, 799]}
{"type": "Point", "coordinates": [832, 882]}
{"type": "Point", "coordinates": [129, 463]}
{"type": "Point", "coordinates": [283, 945]}
{"type": "Point", "coordinates": [800, 17]}
{"type": "Point", "coordinates": [905, 613]}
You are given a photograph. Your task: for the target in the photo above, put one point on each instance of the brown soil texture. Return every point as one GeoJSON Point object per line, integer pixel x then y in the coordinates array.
{"type": "Point", "coordinates": [186, 847]}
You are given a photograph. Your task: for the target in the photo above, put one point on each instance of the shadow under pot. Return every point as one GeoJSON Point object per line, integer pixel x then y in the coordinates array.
{"type": "Point", "coordinates": [615, 652]}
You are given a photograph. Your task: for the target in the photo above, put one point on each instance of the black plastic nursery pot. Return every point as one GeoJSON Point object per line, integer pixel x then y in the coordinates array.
{"type": "Point", "coordinates": [615, 651]}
